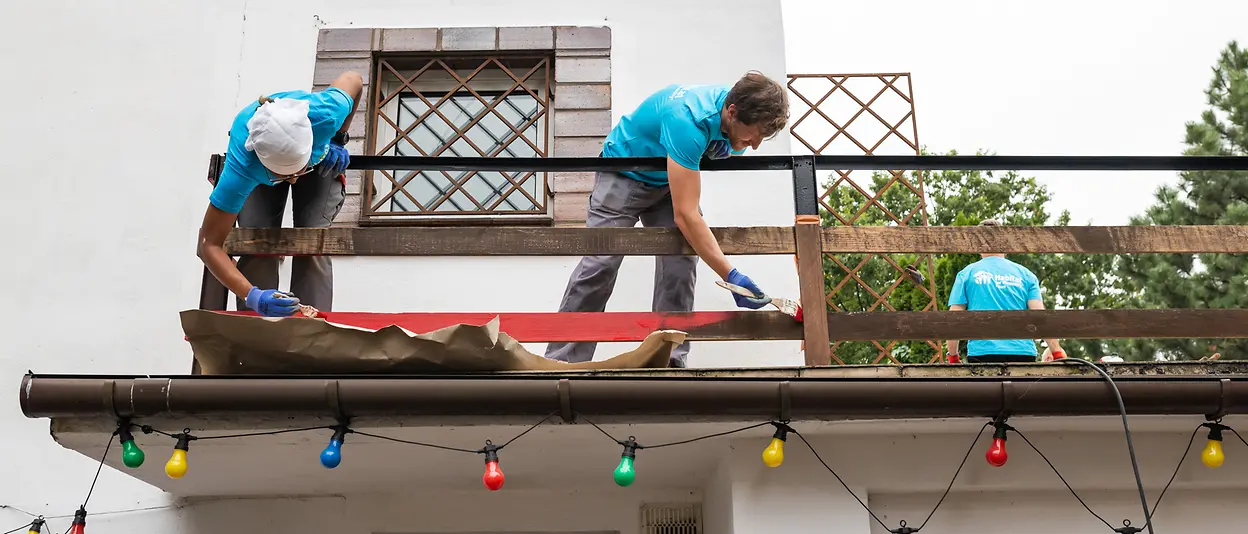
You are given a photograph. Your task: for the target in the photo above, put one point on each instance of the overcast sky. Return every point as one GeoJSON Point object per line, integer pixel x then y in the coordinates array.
{"type": "Point", "coordinates": [1093, 77]}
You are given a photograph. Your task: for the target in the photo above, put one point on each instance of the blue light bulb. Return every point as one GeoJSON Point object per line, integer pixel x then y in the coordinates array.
{"type": "Point", "coordinates": [332, 455]}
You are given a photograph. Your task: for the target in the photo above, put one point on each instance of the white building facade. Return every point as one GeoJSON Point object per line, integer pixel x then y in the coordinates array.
{"type": "Point", "coordinates": [129, 100]}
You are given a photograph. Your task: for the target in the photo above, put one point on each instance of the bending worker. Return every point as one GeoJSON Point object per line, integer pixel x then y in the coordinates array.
{"type": "Point", "coordinates": [682, 123]}
{"type": "Point", "coordinates": [294, 143]}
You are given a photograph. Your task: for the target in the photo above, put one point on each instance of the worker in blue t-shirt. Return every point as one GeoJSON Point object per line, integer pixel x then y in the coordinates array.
{"type": "Point", "coordinates": [289, 143]}
{"type": "Point", "coordinates": [995, 283]}
{"type": "Point", "coordinates": [682, 123]}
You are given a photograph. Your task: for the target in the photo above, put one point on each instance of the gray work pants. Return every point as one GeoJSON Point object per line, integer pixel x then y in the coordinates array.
{"type": "Point", "coordinates": [619, 201]}
{"type": "Point", "coordinates": [317, 199]}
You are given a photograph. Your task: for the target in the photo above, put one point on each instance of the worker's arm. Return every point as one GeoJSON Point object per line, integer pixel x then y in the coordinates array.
{"type": "Point", "coordinates": [686, 188]}
{"type": "Point", "coordinates": [951, 346]}
{"type": "Point", "coordinates": [1054, 347]}
{"type": "Point", "coordinates": [957, 302]}
{"type": "Point", "coordinates": [352, 84]}
{"type": "Point", "coordinates": [225, 202]}
{"type": "Point", "coordinates": [211, 249]}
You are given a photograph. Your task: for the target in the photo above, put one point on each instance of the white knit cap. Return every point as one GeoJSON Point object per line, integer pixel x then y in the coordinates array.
{"type": "Point", "coordinates": [281, 135]}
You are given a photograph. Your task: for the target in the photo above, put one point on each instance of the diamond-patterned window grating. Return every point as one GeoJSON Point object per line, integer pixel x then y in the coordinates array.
{"type": "Point", "coordinates": [496, 106]}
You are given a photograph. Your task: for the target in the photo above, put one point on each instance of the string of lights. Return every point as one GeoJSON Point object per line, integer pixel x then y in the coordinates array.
{"type": "Point", "coordinates": [624, 474]}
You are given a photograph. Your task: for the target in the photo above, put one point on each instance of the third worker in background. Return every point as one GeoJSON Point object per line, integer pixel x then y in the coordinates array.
{"type": "Point", "coordinates": [990, 284]}
{"type": "Point", "coordinates": [682, 123]}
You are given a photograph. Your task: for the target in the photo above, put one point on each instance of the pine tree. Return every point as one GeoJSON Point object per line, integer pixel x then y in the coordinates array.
{"type": "Point", "coordinates": [1199, 198]}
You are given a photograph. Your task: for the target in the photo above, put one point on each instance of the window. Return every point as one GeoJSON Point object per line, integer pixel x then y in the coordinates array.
{"type": "Point", "coordinates": [512, 91]}
{"type": "Point", "coordinates": [469, 106]}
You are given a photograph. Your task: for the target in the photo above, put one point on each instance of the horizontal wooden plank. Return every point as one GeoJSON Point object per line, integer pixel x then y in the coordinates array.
{"type": "Point", "coordinates": [770, 325]}
{"type": "Point", "coordinates": [610, 326]}
{"type": "Point", "coordinates": [1036, 239]}
{"type": "Point", "coordinates": [1040, 324]}
{"type": "Point", "coordinates": [498, 241]}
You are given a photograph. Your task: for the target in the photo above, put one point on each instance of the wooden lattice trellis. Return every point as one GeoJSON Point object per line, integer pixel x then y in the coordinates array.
{"type": "Point", "coordinates": [850, 200]}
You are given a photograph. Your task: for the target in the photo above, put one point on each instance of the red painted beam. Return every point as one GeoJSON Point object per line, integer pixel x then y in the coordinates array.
{"type": "Point", "coordinates": [609, 326]}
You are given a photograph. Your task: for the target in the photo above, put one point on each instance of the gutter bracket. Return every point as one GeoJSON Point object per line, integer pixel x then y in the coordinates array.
{"type": "Point", "coordinates": [107, 397]}
{"type": "Point", "coordinates": [564, 388]}
{"type": "Point", "coordinates": [1007, 400]}
{"type": "Point", "coordinates": [786, 403]}
{"type": "Point", "coordinates": [1223, 392]}
{"type": "Point", "coordinates": [333, 399]}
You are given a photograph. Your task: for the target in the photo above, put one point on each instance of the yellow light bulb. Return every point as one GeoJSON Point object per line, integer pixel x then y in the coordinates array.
{"type": "Point", "coordinates": [773, 455]}
{"type": "Point", "coordinates": [1212, 455]}
{"type": "Point", "coordinates": [176, 466]}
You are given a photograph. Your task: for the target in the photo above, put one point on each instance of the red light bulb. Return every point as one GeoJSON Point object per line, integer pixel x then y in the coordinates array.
{"type": "Point", "coordinates": [493, 477]}
{"type": "Point", "coordinates": [996, 454]}
{"type": "Point", "coordinates": [79, 525]}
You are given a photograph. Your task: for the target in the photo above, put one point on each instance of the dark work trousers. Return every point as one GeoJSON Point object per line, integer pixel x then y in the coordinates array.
{"type": "Point", "coordinates": [619, 201]}
{"type": "Point", "coordinates": [1001, 358]}
{"type": "Point", "coordinates": [318, 197]}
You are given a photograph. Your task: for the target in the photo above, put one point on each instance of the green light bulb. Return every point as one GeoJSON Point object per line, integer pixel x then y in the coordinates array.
{"type": "Point", "coordinates": [131, 454]}
{"type": "Point", "coordinates": [624, 473]}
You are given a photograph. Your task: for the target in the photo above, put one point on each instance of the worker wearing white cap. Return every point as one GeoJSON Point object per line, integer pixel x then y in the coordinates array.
{"type": "Point", "coordinates": [289, 143]}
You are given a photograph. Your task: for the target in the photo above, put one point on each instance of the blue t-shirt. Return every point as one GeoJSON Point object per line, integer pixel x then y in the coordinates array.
{"type": "Point", "coordinates": [327, 110]}
{"type": "Point", "coordinates": [995, 283]}
{"type": "Point", "coordinates": [678, 121]}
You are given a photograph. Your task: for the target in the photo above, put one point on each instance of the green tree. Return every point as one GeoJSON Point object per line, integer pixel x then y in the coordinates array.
{"type": "Point", "coordinates": [1199, 198]}
{"type": "Point", "coordinates": [957, 198]}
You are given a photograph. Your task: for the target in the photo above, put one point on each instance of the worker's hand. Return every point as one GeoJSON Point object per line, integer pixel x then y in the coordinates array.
{"type": "Point", "coordinates": [271, 303]}
{"type": "Point", "coordinates": [736, 278]}
{"type": "Point", "coordinates": [718, 149]}
{"type": "Point", "coordinates": [336, 159]}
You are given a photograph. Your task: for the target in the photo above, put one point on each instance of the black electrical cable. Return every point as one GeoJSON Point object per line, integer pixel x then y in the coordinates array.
{"type": "Point", "coordinates": [1176, 467]}
{"type": "Point", "coordinates": [1126, 429]}
{"type": "Point", "coordinates": [535, 425]}
{"type": "Point", "coordinates": [1062, 478]}
{"type": "Point", "coordinates": [99, 468]}
{"type": "Point", "coordinates": [18, 529]}
{"type": "Point", "coordinates": [681, 442]}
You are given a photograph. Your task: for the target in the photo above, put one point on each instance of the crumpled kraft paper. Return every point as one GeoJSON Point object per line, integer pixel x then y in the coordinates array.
{"type": "Point", "coordinates": [227, 344]}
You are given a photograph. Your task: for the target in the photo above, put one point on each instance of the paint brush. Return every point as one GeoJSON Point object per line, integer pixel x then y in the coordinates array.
{"type": "Point", "coordinates": [789, 307]}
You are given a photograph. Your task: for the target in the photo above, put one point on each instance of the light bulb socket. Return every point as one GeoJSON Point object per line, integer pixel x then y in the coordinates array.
{"type": "Point", "coordinates": [184, 442]}
{"type": "Point", "coordinates": [1215, 430]}
{"type": "Point", "coordinates": [340, 434]}
{"type": "Point", "coordinates": [37, 525]}
{"type": "Point", "coordinates": [630, 447]}
{"type": "Point", "coordinates": [1001, 429]}
{"type": "Point", "coordinates": [80, 516]}
{"type": "Point", "coordinates": [123, 432]}
{"type": "Point", "coordinates": [782, 431]}
{"type": "Point", "coordinates": [491, 452]}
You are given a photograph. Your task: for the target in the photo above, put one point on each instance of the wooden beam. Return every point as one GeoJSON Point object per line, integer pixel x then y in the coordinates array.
{"type": "Point", "coordinates": [498, 241]}
{"type": "Point", "coordinates": [812, 285]}
{"type": "Point", "coordinates": [545, 327]}
{"type": "Point", "coordinates": [1039, 324]}
{"type": "Point", "coordinates": [1037, 239]}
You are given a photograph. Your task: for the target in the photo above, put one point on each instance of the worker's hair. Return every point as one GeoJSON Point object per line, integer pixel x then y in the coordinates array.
{"type": "Point", "coordinates": [760, 101]}
{"type": "Point", "coordinates": [990, 222]}
{"type": "Point", "coordinates": [264, 100]}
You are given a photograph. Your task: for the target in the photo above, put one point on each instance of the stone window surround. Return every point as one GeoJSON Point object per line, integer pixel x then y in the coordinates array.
{"type": "Point", "coordinates": [580, 105]}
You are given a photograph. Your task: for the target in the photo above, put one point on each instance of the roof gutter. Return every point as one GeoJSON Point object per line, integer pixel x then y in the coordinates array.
{"type": "Point", "coordinates": [625, 400]}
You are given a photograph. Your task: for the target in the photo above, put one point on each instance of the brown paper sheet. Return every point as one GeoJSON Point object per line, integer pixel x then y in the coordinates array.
{"type": "Point", "coordinates": [226, 344]}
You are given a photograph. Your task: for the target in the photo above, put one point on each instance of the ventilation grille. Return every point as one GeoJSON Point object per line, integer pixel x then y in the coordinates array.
{"type": "Point", "coordinates": [678, 518]}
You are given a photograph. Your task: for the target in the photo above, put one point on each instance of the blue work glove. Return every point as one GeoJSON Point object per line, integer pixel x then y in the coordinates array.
{"type": "Point", "coordinates": [737, 279]}
{"type": "Point", "coordinates": [336, 159]}
{"type": "Point", "coordinates": [718, 149]}
{"type": "Point", "coordinates": [270, 303]}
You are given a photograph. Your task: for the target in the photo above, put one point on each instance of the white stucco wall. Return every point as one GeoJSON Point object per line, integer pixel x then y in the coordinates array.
{"type": "Point", "coordinates": [113, 110]}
